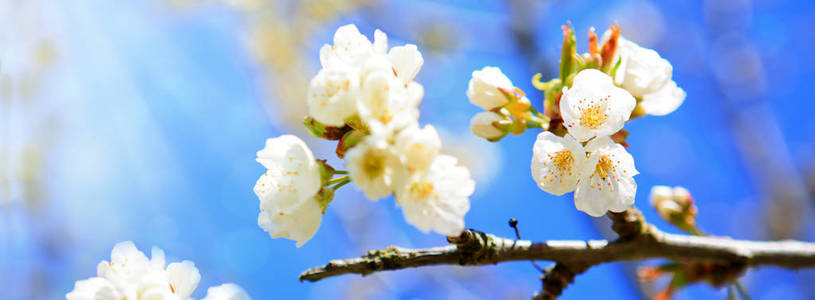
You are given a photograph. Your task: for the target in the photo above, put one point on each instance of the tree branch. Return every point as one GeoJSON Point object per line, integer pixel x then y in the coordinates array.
{"type": "Point", "coordinates": [638, 240]}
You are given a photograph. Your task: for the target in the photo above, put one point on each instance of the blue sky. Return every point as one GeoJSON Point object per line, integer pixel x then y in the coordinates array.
{"type": "Point", "coordinates": [160, 111]}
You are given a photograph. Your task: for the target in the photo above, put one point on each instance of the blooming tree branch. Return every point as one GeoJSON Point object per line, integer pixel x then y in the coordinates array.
{"type": "Point", "coordinates": [638, 240]}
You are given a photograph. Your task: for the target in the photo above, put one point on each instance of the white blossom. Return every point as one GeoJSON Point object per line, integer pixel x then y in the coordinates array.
{"type": "Point", "coordinates": [351, 48]}
{"type": "Point", "coordinates": [606, 182]}
{"type": "Point", "coordinates": [407, 61]}
{"type": "Point", "coordinates": [226, 291]}
{"type": "Point", "coordinates": [594, 106]}
{"type": "Point", "coordinates": [418, 147]}
{"type": "Point", "coordinates": [287, 190]}
{"type": "Point", "coordinates": [375, 166]}
{"type": "Point", "coordinates": [482, 125]}
{"type": "Point", "coordinates": [483, 89]}
{"type": "Point", "coordinates": [438, 198]}
{"type": "Point", "coordinates": [332, 95]}
{"type": "Point", "coordinates": [647, 76]}
{"type": "Point", "coordinates": [365, 79]}
{"type": "Point", "coordinates": [557, 162]}
{"type": "Point", "coordinates": [130, 275]}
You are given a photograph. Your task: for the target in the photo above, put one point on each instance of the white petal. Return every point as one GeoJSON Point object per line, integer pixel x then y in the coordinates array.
{"type": "Point", "coordinates": [299, 225]}
{"type": "Point", "coordinates": [126, 264]}
{"type": "Point", "coordinates": [418, 146]}
{"type": "Point", "coordinates": [482, 125]}
{"type": "Point", "coordinates": [332, 96]}
{"type": "Point", "coordinates": [183, 277]}
{"type": "Point", "coordinates": [407, 60]}
{"type": "Point", "coordinates": [645, 71]}
{"type": "Point", "coordinates": [590, 200]}
{"type": "Point", "coordinates": [438, 198]}
{"type": "Point", "coordinates": [483, 88]}
{"type": "Point", "coordinates": [380, 42]}
{"type": "Point", "coordinates": [663, 101]}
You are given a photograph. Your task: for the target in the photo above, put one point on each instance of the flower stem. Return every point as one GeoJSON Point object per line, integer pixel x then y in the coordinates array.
{"type": "Point", "coordinates": [339, 182]}
{"type": "Point", "coordinates": [341, 172]}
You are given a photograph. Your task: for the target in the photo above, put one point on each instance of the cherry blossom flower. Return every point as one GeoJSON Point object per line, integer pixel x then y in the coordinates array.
{"type": "Point", "coordinates": [438, 198]}
{"type": "Point", "coordinates": [594, 106]}
{"type": "Point", "coordinates": [482, 125]}
{"type": "Point", "coordinates": [557, 162]}
{"type": "Point", "coordinates": [375, 166]}
{"type": "Point", "coordinates": [287, 190]}
{"type": "Point", "coordinates": [130, 275]}
{"type": "Point", "coordinates": [606, 182]}
{"type": "Point", "coordinates": [483, 89]}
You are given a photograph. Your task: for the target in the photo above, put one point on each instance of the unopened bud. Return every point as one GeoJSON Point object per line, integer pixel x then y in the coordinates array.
{"type": "Point", "coordinates": [668, 210]}
{"type": "Point", "coordinates": [675, 205]}
{"type": "Point", "coordinates": [483, 125]}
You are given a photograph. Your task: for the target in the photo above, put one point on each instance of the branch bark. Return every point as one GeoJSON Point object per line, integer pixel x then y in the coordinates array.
{"type": "Point", "coordinates": [638, 241]}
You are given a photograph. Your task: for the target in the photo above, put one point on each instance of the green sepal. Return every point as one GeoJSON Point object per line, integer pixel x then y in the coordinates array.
{"type": "Point", "coordinates": [348, 141]}
{"type": "Point", "coordinates": [324, 197]}
{"type": "Point", "coordinates": [315, 128]}
{"type": "Point", "coordinates": [323, 131]}
{"type": "Point", "coordinates": [356, 123]}
{"type": "Point", "coordinates": [326, 171]}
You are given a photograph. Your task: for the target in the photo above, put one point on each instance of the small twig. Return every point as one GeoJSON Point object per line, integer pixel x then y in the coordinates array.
{"type": "Point", "coordinates": [514, 224]}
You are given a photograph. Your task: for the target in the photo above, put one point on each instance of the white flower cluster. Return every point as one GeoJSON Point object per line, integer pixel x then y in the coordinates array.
{"type": "Point", "coordinates": [396, 156]}
{"type": "Point", "coordinates": [131, 275]}
{"type": "Point", "coordinates": [601, 172]}
{"type": "Point", "coordinates": [586, 160]}
{"type": "Point", "coordinates": [368, 88]}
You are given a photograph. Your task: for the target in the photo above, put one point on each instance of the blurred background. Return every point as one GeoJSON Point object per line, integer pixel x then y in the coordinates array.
{"type": "Point", "coordinates": [139, 120]}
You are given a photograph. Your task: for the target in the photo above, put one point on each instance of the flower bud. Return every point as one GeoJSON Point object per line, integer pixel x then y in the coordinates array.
{"type": "Point", "coordinates": [485, 87]}
{"type": "Point", "coordinates": [675, 205]}
{"type": "Point", "coordinates": [483, 125]}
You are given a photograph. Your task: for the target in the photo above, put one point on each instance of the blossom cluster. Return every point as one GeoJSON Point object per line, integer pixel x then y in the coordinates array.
{"type": "Point", "coordinates": [583, 146]}
{"type": "Point", "coordinates": [366, 99]}
{"type": "Point", "coordinates": [131, 275]}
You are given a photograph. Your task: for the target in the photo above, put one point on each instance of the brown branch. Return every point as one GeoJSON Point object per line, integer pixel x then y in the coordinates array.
{"type": "Point", "coordinates": [639, 240]}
